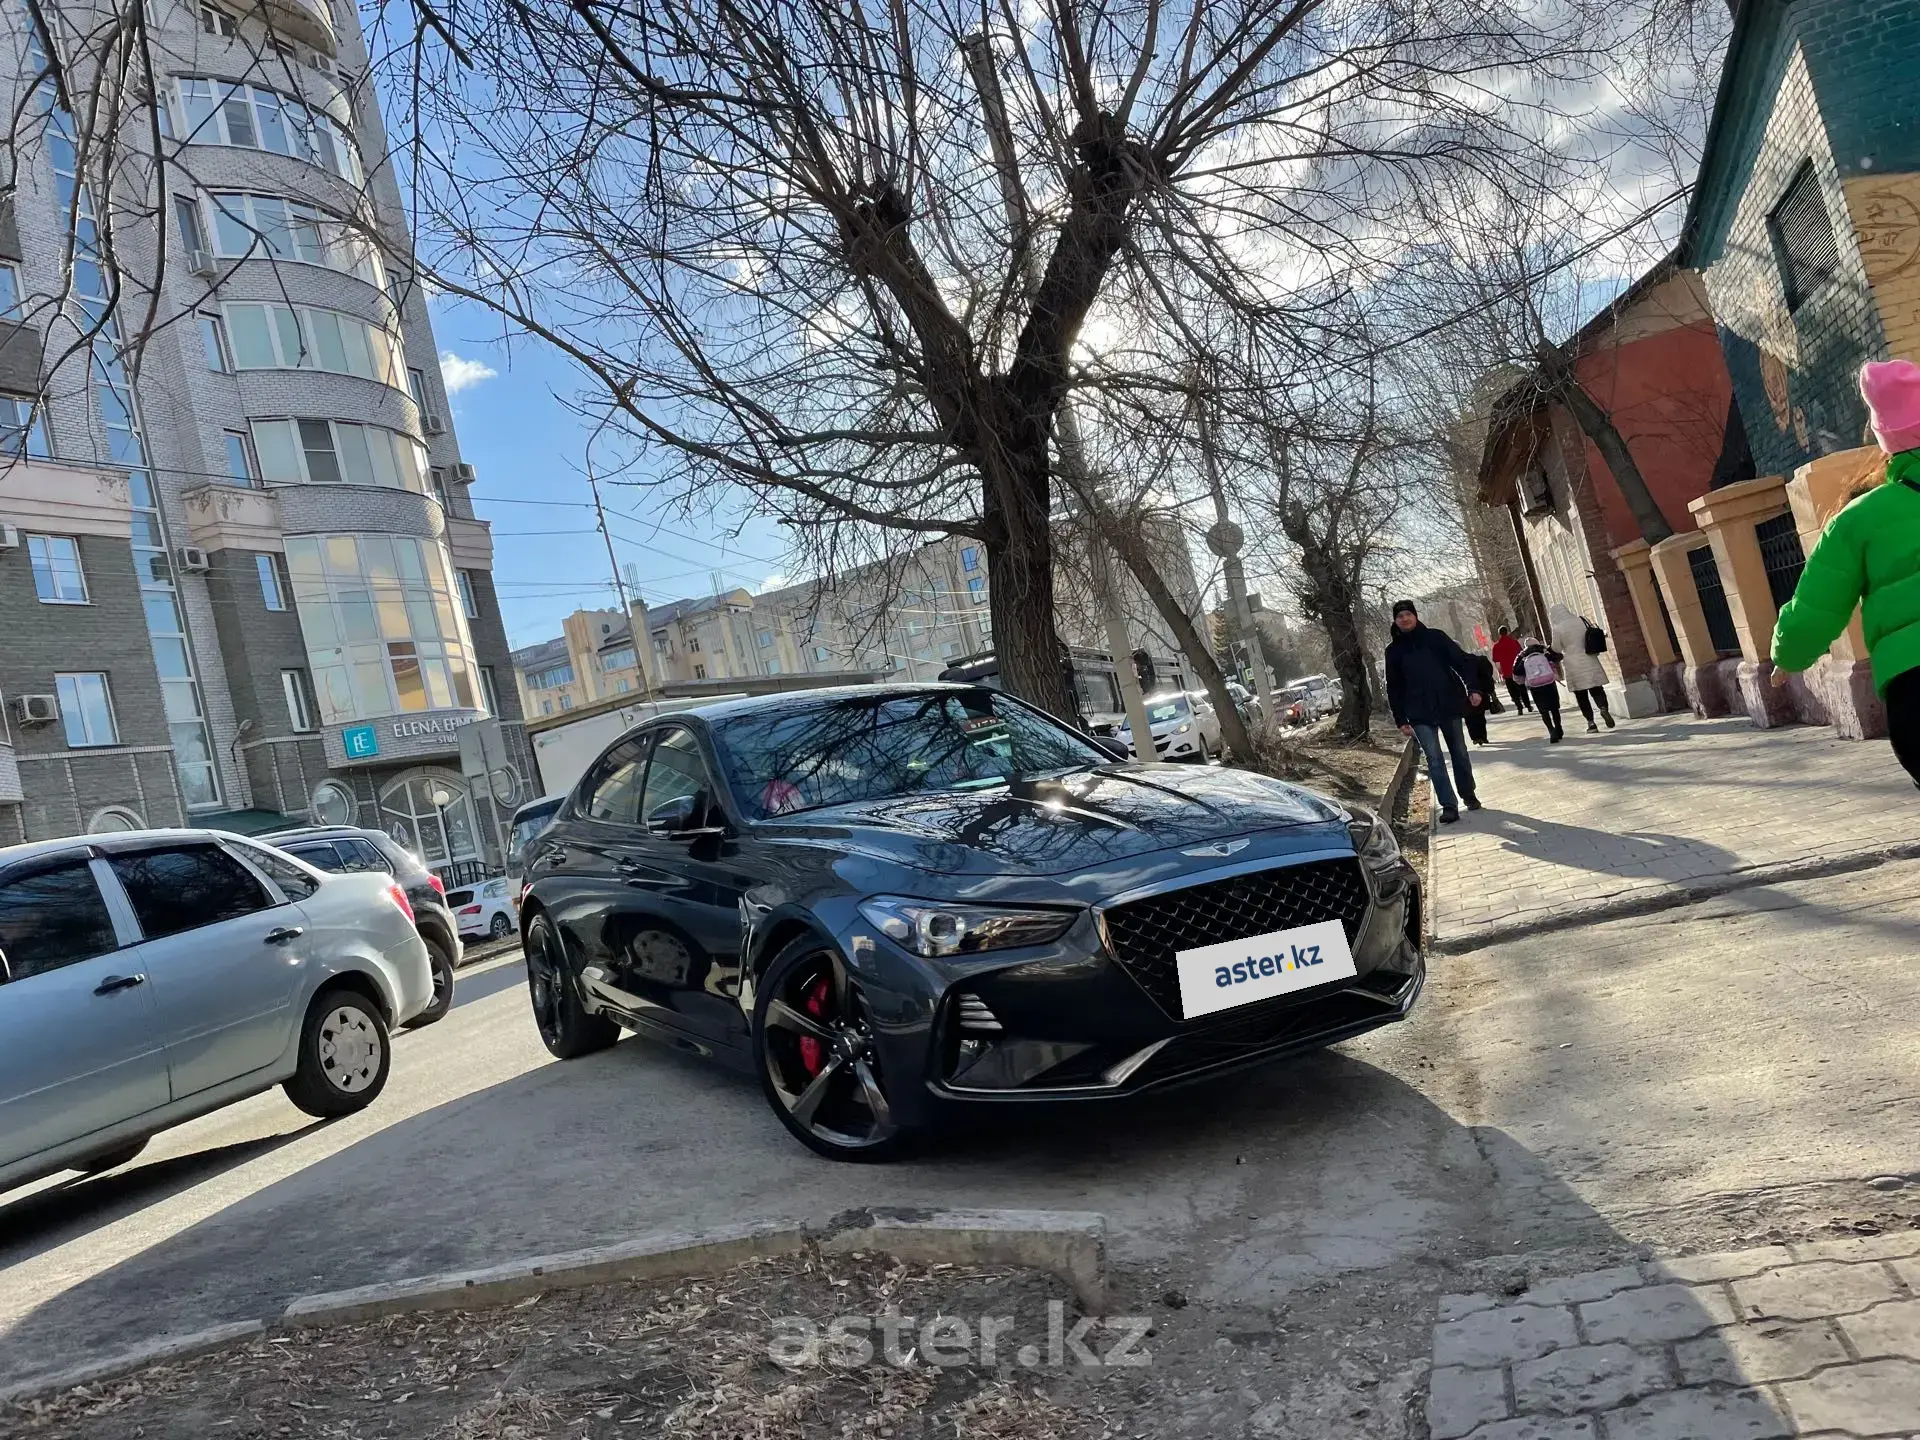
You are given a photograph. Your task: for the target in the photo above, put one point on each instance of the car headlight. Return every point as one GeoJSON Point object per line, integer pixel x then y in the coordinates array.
{"type": "Point", "coordinates": [1373, 839]}
{"type": "Point", "coordinates": [1184, 727]}
{"type": "Point", "coordinates": [932, 929]}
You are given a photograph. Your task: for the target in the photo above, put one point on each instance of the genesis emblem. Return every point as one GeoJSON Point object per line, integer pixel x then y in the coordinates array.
{"type": "Point", "coordinates": [1217, 852]}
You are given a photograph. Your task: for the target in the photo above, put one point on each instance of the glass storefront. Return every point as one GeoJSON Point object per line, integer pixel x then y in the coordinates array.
{"type": "Point", "coordinates": [431, 813]}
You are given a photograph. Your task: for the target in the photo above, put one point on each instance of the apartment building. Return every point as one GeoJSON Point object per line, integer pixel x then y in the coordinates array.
{"type": "Point", "coordinates": [906, 619]}
{"type": "Point", "coordinates": [241, 578]}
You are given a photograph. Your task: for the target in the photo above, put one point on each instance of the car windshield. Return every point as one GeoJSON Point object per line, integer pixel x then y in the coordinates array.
{"type": "Point", "coordinates": [873, 748]}
{"type": "Point", "coordinates": [1161, 712]}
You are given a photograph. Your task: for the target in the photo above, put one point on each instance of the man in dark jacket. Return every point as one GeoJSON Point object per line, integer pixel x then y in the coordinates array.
{"type": "Point", "coordinates": [1430, 684]}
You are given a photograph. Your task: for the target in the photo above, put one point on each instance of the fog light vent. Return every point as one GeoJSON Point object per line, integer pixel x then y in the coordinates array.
{"type": "Point", "coordinates": [974, 1015]}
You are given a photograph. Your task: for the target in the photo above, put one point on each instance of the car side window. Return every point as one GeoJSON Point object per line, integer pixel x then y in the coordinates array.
{"type": "Point", "coordinates": [319, 854]}
{"type": "Point", "coordinates": [613, 795]}
{"type": "Point", "coordinates": [362, 855]}
{"type": "Point", "coordinates": [677, 771]}
{"type": "Point", "coordinates": [51, 918]}
{"type": "Point", "coordinates": [294, 883]}
{"type": "Point", "coordinates": [183, 889]}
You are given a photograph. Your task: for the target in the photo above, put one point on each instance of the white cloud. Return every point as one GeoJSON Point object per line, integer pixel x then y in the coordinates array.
{"type": "Point", "coordinates": [775, 582]}
{"type": "Point", "coordinates": [462, 374]}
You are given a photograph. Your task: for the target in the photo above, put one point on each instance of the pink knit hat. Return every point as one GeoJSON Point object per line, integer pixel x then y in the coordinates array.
{"type": "Point", "coordinates": [1892, 392]}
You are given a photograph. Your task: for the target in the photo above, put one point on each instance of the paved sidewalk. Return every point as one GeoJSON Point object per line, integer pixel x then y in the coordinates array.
{"type": "Point", "coordinates": [1655, 808]}
{"type": "Point", "coordinates": [1820, 1339]}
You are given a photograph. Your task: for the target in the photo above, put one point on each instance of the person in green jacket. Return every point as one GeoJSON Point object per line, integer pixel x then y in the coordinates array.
{"type": "Point", "coordinates": [1869, 556]}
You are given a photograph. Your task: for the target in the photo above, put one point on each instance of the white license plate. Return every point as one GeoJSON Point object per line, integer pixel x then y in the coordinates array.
{"type": "Point", "coordinates": [1239, 972]}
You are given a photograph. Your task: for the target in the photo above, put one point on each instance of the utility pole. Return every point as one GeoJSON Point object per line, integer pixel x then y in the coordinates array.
{"type": "Point", "coordinates": [620, 586]}
{"type": "Point", "coordinates": [1225, 539]}
{"type": "Point", "coordinates": [977, 49]}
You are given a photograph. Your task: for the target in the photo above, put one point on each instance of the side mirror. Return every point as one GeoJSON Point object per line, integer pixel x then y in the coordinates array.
{"type": "Point", "coordinates": [6, 970]}
{"type": "Point", "coordinates": [1111, 746]}
{"type": "Point", "coordinates": [684, 815]}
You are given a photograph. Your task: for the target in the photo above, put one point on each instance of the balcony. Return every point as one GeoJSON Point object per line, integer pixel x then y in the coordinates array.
{"type": "Point", "coordinates": [471, 543]}
{"type": "Point", "coordinates": [229, 517]}
{"type": "Point", "coordinates": [308, 21]}
{"type": "Point", "coordinates": [67, 499]}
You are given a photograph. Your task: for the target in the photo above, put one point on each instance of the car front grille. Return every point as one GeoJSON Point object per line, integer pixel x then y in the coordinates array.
{"type": "Point", "coordinates": [1144, 934]}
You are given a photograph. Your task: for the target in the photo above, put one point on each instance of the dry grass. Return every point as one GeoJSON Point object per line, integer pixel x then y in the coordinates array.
{"type": "Point", "coordinates": [681, 1362]}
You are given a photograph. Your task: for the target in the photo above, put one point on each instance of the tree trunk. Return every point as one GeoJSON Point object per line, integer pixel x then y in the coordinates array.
{"type": "Point", "coordinates": [1019, 544]}
{"type": "Point", "coordinates": [1598, 427]}
{"type": "Point", "coordinates": [1332, 600]}
{"type": "Point", "coordinates": [1128, 544]}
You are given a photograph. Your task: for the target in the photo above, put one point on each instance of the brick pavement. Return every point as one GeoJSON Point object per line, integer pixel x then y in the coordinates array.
{"type": "Point", "coordinates": [1820, 1339]}
{"type": "Point", "coordinates": [1654, 809]}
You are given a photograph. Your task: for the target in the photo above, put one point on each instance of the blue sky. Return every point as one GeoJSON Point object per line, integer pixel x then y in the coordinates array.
{"type": "Point", "coordinates": [529, 450]}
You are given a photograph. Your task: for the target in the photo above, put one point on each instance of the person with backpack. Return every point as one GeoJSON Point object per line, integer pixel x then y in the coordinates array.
{"type": "Point", "coordinates": [1869, 555]}
{"type": "Point", "coordinates": [1538, 670]}
{"type": "Point", "coordinates": [1430, 684]}
{"type": "Point", "coordinates": [1576, 638]}
{"type": "Point", "coordinates": [1506, 650]}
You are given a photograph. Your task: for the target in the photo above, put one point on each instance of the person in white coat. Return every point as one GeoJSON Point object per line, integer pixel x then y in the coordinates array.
{"type": "Point", "coordinates": [1583, 673]}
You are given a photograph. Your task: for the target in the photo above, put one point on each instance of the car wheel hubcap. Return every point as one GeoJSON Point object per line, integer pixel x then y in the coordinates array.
{"type": "Point", "coordinates": [349, 1050]}
{"type": "Point", "coordinates": [543, 981]}
{"type": "Point", "coordinates": [821, 1058]}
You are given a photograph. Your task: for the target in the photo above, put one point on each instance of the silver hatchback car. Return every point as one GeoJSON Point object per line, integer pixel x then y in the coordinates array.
{"type": "Point", "coordinates": [148, 978]}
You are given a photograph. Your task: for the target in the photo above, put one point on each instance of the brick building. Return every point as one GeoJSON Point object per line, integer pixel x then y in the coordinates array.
{"type": "Point", "coordinates": [245, 583]}
{"type": "Point", "coordinates": [1806, 215]}
{"type": "Point", "coordinates": [1652, 361]}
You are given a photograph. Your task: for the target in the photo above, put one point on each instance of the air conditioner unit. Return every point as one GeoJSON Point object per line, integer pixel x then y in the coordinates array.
{"type": "Point", "coordinates": [463, 473]}
{"type": "Point", "coordinates": [433, 424]}
{"type": "Point", "coordinates": [36, 709]}
{"type": "Point", "coordinates": [9, 537]}
{"type": "Point", "coordinates": [192, 560]}
{"type": "Point", "coordinates": [201, 262]}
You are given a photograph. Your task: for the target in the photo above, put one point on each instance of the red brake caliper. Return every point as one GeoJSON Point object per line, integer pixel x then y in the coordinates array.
{"type": "Point", "coordinates": [813, 1054]}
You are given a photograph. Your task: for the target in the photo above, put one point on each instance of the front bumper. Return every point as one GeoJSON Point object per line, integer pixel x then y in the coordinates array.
{"type": "Point", "coordinates": [1079, 1024]}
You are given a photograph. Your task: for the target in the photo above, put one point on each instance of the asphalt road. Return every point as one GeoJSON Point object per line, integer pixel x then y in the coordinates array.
{"type": "Point", "coordinates": [1683, 1081]}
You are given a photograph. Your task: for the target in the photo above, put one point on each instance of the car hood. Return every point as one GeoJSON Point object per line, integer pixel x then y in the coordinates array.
{"type": "Point", "coordinates": [1081, 821]}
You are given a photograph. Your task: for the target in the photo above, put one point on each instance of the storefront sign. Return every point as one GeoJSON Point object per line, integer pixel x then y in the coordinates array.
{"type": "Point", "coordinates": [362, 742]}
{"type": "Point", "coordinates": [434, 732]}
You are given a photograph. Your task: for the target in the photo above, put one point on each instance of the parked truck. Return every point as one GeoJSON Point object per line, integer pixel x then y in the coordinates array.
{"type": "Point", "coordinates": [563, 751]}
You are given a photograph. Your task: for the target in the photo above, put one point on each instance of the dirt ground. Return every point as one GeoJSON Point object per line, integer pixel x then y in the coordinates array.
{"type": "Point", "coordinates": [743, 1354]}
{"type": "Point", "coordinates": [1361, 770]}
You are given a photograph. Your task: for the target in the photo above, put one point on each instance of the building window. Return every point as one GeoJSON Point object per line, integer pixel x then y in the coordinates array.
{"type": "Point", "coordinates": [622, 685]}
{"type": "Point", "coordinates": [301, 337]}
{"type": "Point", "coordinates": [913, 627]}
{"type": "Point", "coordinates": [333, 803]}
{"type": "Point", "coordinates": [437, 480]}
{"type": "Point", "coordinates": [186, 212]}
{"type": "Point", "coordinates": [467, 602]}
{"type": "Point", "coordinates": [10, 308]}
{"type": "Point", "coordinates": [693, 644]}
{"type": "Point", "coordinates": [86, 709]}
{"type": "Point", "coordinates": [699, 672]}
{"type": "Point", "coordinates": [336, 452]}
{"type": "Point", "coordinates": [273, 590]}
{"type": "Point", "coordinates": [977, 588]}
{"type": "Point", "coordinates": [57, 576]}
{"type": "Point", "coordinates": [1804, 245]}
{"type": "Point", "coordinates": [299, 694]}
{"type": "Point", "coordinates": [773, 667]}
{"type": "Point", "coordinates": [240, 465]}
{"type": "Point", "coordinates": [114, 820]}
{"type": "Point", "coordinates": [566, 702]}
{"type": "Point", "coordinates": [487, 692]}
{"type": "Point", "coordinates": [623, 659]}
{"type": "Point", "coordinates": [551, 678]}
{"type": "Point", "coordinates": [218, 113]}
{"type": "Point", "coordinates": [22, 431]}
{"type": "Point", "coordinates": [267, 227]}
{"type": "Point", "coordinates": [417, 385]}
{"type": "Point", "coordinates": [382, 625]}
{"type": "Point", "coordinates": [970, 558]}
{"type": "Point", "coordinates": [218, 22]}
{"type": "Point", "coordinates": [213, 335]}
{"type": "Point", "coordinates": [820, 654]}
{"type": "Point", "coordinates": [764, 638]}
{"type": "Point", "coordinates": [546, 707]}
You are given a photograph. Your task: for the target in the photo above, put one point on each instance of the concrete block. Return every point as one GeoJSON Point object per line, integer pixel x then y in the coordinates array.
{"type": "Point", "coordinates": [1805, 1292]}
{"type": "Point", "coordinates": [1504, 1336]}
{"type": "Point", "coordinates": [152, 1352]}
{"type": "Point", "coordinates": [1539, 1427]}
{"type": "Point", "coordinates": [1455, 1307]}
{"type": "Point", "coordinates": [1593, 1285]}
{"type": "Point", "coordinates": [1895, 1246]}
{"type": "Point", "coordinates": [1656, 1314]}
{"type": "Point", "coordinates": [1699, 1415]}
{"type": "Point", "coordinates": [1886, 1330]}
{"type": "Point", "coordinates": [1069, 1244]}
{"type": "Point", "coordinates": [1875, 1397]}
{"type": "Point", "coordinates": [1588, 1377]}
{"type": "Point", "coordinates": [1757, 1353]}
{"type": "Point", "coordinates": [1726, 1265]}
{"type": "Point", "coordinates": [1459, 1399]}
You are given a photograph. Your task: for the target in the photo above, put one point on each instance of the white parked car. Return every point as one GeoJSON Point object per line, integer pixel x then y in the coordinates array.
{"type": "Point", "coordinates": [1184, 726]}
{"type": "Point", "coordinates": [149, 977]}
{"type": "Point", "coordinates": [485, 911]}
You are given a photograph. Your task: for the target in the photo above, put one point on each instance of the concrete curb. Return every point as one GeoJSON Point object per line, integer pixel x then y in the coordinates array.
{"type": "Point", "coordinates": [1069, 1244]}
{"type": "Point", "coordinates": [1672, 897]}
{"type": "Point", "coordinates": [153, 1352]}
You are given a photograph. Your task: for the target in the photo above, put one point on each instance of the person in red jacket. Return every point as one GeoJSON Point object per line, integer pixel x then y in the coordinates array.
{"type": "Point", "coordinates": [1506, 650]}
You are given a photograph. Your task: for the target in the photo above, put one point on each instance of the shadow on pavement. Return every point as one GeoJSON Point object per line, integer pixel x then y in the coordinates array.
{"type": "Point", "coordinates": [1638, 852]}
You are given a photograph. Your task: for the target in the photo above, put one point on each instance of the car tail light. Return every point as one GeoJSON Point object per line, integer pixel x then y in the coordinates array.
{"type": "Point", "coordinates": [439, 885]}
{"type": "Point", "coordinates": [399, 897]}
{"type": "Point", "coordinates": [469, 909]}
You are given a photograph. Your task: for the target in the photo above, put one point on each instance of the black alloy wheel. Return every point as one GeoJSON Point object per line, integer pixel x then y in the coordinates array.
{"type": "Point", "coordinates": [813, 1044]}
{"type": "Point", "coordinates": [565, 1027]}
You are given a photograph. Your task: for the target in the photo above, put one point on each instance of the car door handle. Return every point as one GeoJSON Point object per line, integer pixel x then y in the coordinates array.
{"type": "Point", "coordinates": [284, 934]}
{"type": "Point", "coordinates": [118, 982]}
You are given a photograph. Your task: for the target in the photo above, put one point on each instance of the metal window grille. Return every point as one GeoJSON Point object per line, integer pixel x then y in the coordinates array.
{"type": "Point", "coordinates": [1780, 552]}
{"type": "Point", "coordinates": [1713, 600]}
{"type": "Point", "coordinates": [1804, 245]}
